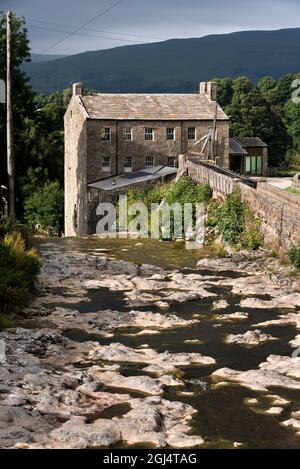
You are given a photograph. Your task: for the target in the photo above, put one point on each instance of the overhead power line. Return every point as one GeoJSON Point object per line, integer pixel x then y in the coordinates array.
{"type": "Point", "coordinates": [104, 12]}
{"type": "Point", "coordinates": [88, 35]}
{"type": "Point", "coordinates": [94, 30]}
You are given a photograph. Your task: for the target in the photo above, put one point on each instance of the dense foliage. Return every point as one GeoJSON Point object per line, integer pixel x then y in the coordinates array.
{"type": "Point", "coordinates": [38, 127]}
{"type": "Point", "coordinates": [181, 192]}
{"type": "Point", "coordinates": [19, 267]}
{"type": "Point", "coordinates": [44, 208]}
{"type": "Point", "coordinates": [294, 255]}
{"type": "Point", "coordinates": [235, 222]}
{"type": "Point", "coordinates": [265, 110]}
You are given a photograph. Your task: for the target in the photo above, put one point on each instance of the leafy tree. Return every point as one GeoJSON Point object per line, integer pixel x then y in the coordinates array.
{"type": "Point", "coordinates": [284, 88]}
{"type": "Point", "coordinates": [38, 120]}
{"type": "Point", "coordinates": [268, 88]}
{"type": "Point", "coordinates": [252, 116]}
{"type": "Point", "coordinates": [292, 121]}
{"type": "Point", "coordinates": [44, 209]}
{"type": "Point", "coordinates": [23, 96]}
{"type": "Point", "coordinates": [224, 90]}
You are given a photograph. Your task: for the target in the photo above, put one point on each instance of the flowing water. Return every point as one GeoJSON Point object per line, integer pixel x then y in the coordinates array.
{"type": "Point", "coordinates": [223, 417]}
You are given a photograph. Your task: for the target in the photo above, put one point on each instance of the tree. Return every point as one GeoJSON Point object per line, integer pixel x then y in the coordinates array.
{"type": "Point", "coordinates": [268, 88]}
{"type": "Point", "coordinates": [252, 115]}
{"type": "Point", "coordinates": [224, 90]}
{"type": "Point", "coordinates": [23, 95]}
{"type": "Point", "coordinates": [44, 209]}
{"type": "Point", "coordinates": [292, 121]}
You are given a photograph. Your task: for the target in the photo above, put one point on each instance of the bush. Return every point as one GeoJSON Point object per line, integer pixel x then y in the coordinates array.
{"type": "Point", "coordinates": [44, 209]}
{"type": "Point", "coordinates": [180, 192]}
{"type": "Point", "coordinates": [235, 222]}
{"type": "Point", "coordinates": [294, 255]}
{"type": "Point", "coordinates": [186, 191]}
{"type": "Point", "coordinates": [231, 219]}
{"type": "Point", "coordinates": [251, 237]}
{"type": "Point", "coordinates": [5, 322]}
{"type": "Point", "coordinates": [19, 268]}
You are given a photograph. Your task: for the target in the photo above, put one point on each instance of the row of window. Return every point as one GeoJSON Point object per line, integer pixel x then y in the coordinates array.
{"type": "Point", "coordinates": [149, 134]}
{"type": "Point", "coordinates": [149, 162]}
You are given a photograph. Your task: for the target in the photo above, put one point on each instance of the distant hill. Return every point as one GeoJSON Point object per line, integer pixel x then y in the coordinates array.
{"type": "Point", "coordinates": [37, 58]}
{"type": "Point", "coordinates": [176, 65]}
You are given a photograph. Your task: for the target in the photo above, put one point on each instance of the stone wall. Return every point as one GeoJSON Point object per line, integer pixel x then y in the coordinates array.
{"type": "Point", "coordinates": [160, 148]}
{"type": "Point", "coordinates": [221, 184]}
{"type": "Point", "coordinates": [75, 169]}
{"type": "Point", "coordinates": [279, 212]}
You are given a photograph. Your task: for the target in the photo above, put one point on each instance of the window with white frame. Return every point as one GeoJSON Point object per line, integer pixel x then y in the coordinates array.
{"type": "Point", "coordinates": [128, 164]}
{"type": "Point", "coordinates": [127, 134]}
{"type": "Point", "coordinates": [105, 134]}
{"type": "Point", "coordinates": [149, 134]}
{"type": "Point", "coordinates": [149, 161]}
{"type": "Point", "coordinates": [170, 133]}
{"type": "Point", "coordinates": [192, 133]}
{"type": "Point", "coordinates": [106, 161]}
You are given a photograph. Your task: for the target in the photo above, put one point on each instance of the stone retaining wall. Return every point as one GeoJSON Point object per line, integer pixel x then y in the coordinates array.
{"type": "Point", "coordinates": [278, 210]}
{"type": "Point", "coordinates": [221, 184]}
{"type": "Point", "coordinates": [279, 213]}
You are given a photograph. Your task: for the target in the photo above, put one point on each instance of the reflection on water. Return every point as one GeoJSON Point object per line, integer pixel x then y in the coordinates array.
{"type": "Point", "coordinates": [167, 255]}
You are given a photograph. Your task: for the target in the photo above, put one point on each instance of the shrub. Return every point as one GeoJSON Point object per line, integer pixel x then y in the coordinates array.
{"type": "Point", "coordinates": [231, 219]}
{"type": "Point", "coordinates": [44, 209]}
{"type": "Point", "coordinates": [235, 222]}
{"type": "Point", "coordinates": [186, 191]}
{"type": "Point", "coordinates": [180, 192]}
{"type": "Point", "coordinates": [294, 255]}
{"type": "Point", "coordinates": [5, 322]}
{"type": "Point", "coordinates": [19, 268]}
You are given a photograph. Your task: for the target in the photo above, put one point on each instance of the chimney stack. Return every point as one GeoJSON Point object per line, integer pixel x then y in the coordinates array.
{"type": "Point", "coordinates": [77, 89]}
{"type": "Point", "coordinates": [209, 89]}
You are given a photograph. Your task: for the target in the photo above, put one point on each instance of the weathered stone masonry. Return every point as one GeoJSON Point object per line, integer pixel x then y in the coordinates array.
{"type": "Point", "coordinates": [279, 213]}
{"type": "Point", "coordinates": [85, 150]}
{"type": "Point", "coordinates": [278, 210]}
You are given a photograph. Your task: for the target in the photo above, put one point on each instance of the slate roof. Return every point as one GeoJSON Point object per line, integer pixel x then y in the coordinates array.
{"type": "Point", "coordinates": [235, 148]}
{"type": "Point", "coordinates": [136, 177]}
{"type": "Point", "coordinates": [250, 142]}
{"type": "Point", "coordinates": [151, 107]}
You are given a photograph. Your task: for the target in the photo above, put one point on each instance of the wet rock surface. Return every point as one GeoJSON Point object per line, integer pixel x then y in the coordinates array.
{"type": "Point", "coordinates": [98, 361]}
{"type": "Point", "coordinates": [250, 338]}
{"type": "Point", "coordinates": [277, 371]}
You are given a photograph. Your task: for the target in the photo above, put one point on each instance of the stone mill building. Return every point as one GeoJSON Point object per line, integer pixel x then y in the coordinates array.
{"type": "Point", "coordinates": [107, 135]}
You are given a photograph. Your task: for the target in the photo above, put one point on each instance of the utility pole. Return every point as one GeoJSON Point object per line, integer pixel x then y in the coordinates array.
{"type": "Point", "coordinates": [10, 154]}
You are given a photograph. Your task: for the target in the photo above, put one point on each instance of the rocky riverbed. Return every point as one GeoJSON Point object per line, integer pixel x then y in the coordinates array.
{"type": "Point", "coordinates": [115, 353]}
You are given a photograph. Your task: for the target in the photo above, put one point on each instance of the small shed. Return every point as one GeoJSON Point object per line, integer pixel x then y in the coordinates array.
{"type": "Point", "coordinates": [248, 155]}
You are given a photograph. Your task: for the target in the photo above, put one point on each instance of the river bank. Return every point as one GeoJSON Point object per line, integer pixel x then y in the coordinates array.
{"type": "Point", "coordinates": [120, 353]}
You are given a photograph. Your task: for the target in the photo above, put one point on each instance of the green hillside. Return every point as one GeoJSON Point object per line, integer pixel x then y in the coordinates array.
{"type": "Point", "coordinates": [175, 65]}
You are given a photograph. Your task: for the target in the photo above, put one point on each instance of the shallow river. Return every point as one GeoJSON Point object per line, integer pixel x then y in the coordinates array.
{"type": "Point", "coordinates": [223, 417]}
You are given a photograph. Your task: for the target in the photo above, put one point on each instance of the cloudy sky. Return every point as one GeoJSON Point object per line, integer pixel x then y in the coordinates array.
{"type": "Point", "coordinates": [139, 21]}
